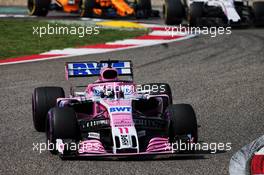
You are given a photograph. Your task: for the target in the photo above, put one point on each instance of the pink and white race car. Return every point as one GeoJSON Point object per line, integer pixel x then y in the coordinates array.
{"type": "Point", "coordinates": [111, 117]}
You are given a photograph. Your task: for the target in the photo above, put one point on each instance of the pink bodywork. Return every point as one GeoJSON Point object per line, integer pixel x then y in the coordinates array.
{"type": "Point", "coordinates": [121, 120]}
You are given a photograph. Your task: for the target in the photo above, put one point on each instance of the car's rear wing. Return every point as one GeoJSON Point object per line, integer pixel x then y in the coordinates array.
{"type": "Point", "coordinates": [93, 68]}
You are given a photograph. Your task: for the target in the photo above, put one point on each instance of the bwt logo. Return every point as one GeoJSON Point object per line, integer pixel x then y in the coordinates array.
{"type": "Point", "coordinates": [120, 109]}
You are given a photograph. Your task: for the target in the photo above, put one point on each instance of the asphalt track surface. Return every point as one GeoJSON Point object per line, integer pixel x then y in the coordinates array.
{"type": "Point", "coordinates": [222, 77]}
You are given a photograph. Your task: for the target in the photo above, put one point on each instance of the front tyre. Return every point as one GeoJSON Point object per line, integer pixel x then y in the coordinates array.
{"type": "Point", "coordinates": [183, 122]}
{"type": "Point", "coordinates": [61, 123]}
{"type": "Point", "coordinates": [38, 7]}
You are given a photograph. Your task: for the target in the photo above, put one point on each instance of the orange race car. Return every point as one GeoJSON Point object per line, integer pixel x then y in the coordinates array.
{"type": "Point", "coordinates": [93, 8]}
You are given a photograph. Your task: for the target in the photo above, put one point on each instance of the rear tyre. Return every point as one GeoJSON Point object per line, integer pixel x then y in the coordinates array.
{"type": "Point", "coordinates": [38, 7]}
{"type": "Point", "coordinates": [61, 123]}
{"type": "Point", "coordinates": [258, 10]}
{"type": "Point", "coordinates": [145, 7]}
{"type": "Point", "coordinates": [158, 88]}
{"type": "Point", "coordinates": [43, 99]}
{"type": "Point", "coordinates": [87, 8]}
{"type": "Point", "coordinates": [173, 12]}
{"type": "Point", "coordinates": [183, 121]}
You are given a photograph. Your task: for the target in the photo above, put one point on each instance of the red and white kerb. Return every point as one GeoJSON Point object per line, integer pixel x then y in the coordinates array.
{"type": "Point", "coordinates": [257, 163]}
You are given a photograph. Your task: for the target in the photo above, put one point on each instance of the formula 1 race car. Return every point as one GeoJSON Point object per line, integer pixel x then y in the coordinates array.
{"type": "Point", "coordinates": [111, 117]}
{"type": "Point", "coordinates": [227, 12]}
{"type": "Point", "coordinates": [93, 8]}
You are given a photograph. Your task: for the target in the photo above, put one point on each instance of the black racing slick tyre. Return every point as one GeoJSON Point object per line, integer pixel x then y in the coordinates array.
{"type": "Point", "coordinates": [173, 12]}
{"type": "Point", "coordinates": [195, 13]}
{"type": "Point", "coordinates": [158, 88]}
{"type": "Point", "coordinates": [61, 123]}
{"type": "Point", "coordinates": [38, 7]}
{"type": "Point", "coordinates": [183, 121]}
{"type": "Point", "coordinates": [87, 7]}
{"type": "Point", "coordinates": [144, 6]}
{"type": "Point", "coordinates": [44, 98]}
{"type": "Point", "coordinates": [258, 10]}
{"type": "Point", "coordinates": [245, 14]}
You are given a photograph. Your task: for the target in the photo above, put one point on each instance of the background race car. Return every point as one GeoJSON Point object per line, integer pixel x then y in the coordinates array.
{"type": "Point", "coordinates": [218, 12]}
{"type": "Point", "coordinates": [112, 117]}
{"type": "Point", "coordinates": [92, 8]}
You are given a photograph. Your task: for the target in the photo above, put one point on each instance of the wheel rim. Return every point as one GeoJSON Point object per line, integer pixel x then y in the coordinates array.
{"type": "Point", "coordinates": [31, 6]}
{"type": "Point", "coordinates": [82, 6]}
